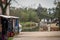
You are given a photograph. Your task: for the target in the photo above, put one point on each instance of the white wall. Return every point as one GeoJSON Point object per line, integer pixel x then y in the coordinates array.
{"type": "Point", "coordinates": [0, 11]}
{"type": "Point", "coordinates": [8, 10]}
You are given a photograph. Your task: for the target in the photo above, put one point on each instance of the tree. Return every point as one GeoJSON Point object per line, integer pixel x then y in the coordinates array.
{"type": "Point", "coordinates": [42, 12]}
{"type": "Point", "coordinates": [54, 13]}
{"type": "Point", "coordinates": [3, 5]}
{"type": "Point", "coordinates": [25, 15]}
{"type": "Point", "coordinates": [39, 10]}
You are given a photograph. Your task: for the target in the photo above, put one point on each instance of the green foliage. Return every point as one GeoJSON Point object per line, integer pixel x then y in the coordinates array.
{"type": "Point", "coordinates": [10, 38]}
{"type": "Point", "coordinates": [25, 15]}
{"type": "Point", "coordinates": [31, 29]}
{"type": "Point", "coordinates": [29, 26]}
{"type": "Point", "coordinates": [29, 14]}
{"type": "Point", "coordinates": [42, 12]}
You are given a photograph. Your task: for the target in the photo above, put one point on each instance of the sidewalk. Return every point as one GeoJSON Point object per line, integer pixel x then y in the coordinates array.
{"type": "Point", "coordinates": [40, 34]}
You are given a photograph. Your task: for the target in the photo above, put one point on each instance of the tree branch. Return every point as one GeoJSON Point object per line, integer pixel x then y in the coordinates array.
{"type": "Point", "coordinates": [1, 4]}
{"type": "Point", "coordinates": [7, 3]}
{"type": "Point", "coordinates": [10, 1]}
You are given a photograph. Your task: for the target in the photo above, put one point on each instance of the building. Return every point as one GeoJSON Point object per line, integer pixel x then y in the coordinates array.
{"type": "Point", "coordinates": [8, 24]}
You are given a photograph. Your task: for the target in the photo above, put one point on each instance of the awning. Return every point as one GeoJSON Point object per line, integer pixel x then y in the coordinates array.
{"type": "Point", "coordinates": [5, 16]}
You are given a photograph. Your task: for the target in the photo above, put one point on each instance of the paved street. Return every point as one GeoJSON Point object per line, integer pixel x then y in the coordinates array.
{"type": "Point", "coordinates": [38, 36]}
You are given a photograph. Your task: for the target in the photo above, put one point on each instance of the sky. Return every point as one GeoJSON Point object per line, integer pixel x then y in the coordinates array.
{"type": "Point", "coordinates": [33, 3]}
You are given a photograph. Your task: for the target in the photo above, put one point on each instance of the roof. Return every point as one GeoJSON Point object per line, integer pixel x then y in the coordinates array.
{"type": "Point", "coordinates": [8, 16]}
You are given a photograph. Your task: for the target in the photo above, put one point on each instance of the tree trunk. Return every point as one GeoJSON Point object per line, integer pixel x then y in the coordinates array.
{"type": "Point", "coordinates": [4, 36]}
{"type": "Point", "coordinates": [3, 11]}
{"type": "Point", "coordinates": [39, 24]}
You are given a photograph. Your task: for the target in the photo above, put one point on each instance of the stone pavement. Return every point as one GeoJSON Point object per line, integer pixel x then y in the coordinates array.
{"type": "Point", "coordinates": [38, 36]}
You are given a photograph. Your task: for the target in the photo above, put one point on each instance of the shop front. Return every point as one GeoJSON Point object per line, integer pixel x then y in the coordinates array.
{"type": "Point", "coordinates": [8, 26]}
